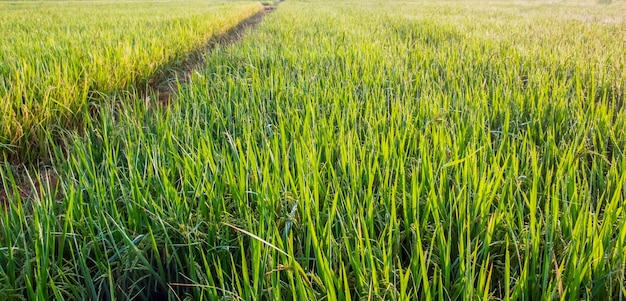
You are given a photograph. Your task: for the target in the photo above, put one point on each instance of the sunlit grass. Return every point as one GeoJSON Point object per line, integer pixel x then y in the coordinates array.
{"type": "Point", "coordinates": [59, 59]}
{"type": "Point", "coordinates": [351, 150]}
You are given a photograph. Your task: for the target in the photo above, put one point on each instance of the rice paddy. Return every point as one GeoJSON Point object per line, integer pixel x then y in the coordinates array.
{"type": "Point", "coordinates": [379, 150]}
{"type": "Point", "coordinates": [59, 59]}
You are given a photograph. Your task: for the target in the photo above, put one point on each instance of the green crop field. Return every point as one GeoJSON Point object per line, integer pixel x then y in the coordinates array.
{"type": "Point", "coordinates": [59, 59]}
{"type": "Point", "coordinates": [341, 150]}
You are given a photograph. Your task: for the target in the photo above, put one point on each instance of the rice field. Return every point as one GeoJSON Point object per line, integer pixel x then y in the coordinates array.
{"type": "Point", "coordinates": [59, 59]}
{"type": "Point", "coordinates": [343, 150]}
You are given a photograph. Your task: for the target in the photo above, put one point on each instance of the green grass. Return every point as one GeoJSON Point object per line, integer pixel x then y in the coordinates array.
{"type": "Point", "coordinates": [58, 60]}
{"type": "Point", "coordinates": [352, 150]}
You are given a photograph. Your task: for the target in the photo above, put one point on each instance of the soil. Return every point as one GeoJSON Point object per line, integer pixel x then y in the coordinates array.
{"type": "Point", "coordinates": [26, 190]}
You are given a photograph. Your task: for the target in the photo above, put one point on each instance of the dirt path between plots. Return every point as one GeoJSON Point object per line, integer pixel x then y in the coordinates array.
{"type": "Point", "coordinates": [164, 86]}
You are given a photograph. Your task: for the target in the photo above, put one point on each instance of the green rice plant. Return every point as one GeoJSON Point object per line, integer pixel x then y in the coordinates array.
{"type": "Point", "coordinates": [347, 150]}
{"type": "Point", "coordinates": [57, 59]}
